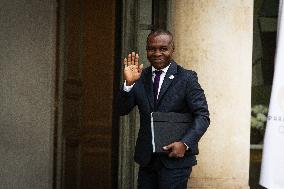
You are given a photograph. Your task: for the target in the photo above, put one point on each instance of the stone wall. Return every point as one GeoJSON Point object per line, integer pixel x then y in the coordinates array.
{"type": "Point", "coordinates": [214, 38]}
{"type": "Point", "coordinates": [27, 84]}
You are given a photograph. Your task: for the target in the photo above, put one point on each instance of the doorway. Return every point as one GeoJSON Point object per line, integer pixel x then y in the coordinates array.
{"type": "Point", "coordinates": [86, 139]}
{"type": "Point", "coordinates": [139, 18]}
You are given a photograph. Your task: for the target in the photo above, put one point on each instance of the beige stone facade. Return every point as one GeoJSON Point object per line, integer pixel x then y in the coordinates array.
{"type": "Point", "coordinates": [214, 38]}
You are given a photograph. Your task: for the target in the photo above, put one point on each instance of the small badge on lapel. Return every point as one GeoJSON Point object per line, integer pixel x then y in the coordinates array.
{"type": "Point", "coordinates": [171, 77]}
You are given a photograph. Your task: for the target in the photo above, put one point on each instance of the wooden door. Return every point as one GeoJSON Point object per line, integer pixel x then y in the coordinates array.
{"type": "Point", "coordinates": [86, 155]}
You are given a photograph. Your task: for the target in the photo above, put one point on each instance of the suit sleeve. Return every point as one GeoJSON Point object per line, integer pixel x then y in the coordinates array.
{"type": "Point", "coordinates": [125, 101]}
{"type": "Point", "coordinates": [196, 101]}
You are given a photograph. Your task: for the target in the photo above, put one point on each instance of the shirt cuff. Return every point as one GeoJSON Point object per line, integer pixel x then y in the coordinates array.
{"type": "Point", "coordinates": [127, 88]}
{"type": "Point", "coordinates": [186, 146]}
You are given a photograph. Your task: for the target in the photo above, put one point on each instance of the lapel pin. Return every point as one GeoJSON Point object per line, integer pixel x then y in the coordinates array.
{"type": "Point", "coordinates": [171, 77]}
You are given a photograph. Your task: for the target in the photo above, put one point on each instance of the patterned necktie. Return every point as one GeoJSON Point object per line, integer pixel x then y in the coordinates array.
{"type": "Point", "coordinates": [156, 83]}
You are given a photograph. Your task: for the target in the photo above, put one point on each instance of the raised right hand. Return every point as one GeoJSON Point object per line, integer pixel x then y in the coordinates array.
{"type": "Point", "coordinates": [132, 70]}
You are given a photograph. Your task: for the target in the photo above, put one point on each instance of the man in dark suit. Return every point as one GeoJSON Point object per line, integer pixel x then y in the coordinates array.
{"type": "Point", "coordinates": [163, 87]}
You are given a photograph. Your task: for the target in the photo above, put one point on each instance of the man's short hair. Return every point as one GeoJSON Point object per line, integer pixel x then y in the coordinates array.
{"type": "Point", "coordinates": [160, 32]}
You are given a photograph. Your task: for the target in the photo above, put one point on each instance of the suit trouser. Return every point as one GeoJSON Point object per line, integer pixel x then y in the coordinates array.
{"type": "Point", "coordinates": [157, 176]}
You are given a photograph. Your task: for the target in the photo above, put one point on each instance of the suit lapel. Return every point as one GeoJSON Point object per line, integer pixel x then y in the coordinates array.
{"type": "Point", "coordinates": [148, 84]}
{"type": "Point", "coordinates": [169, 78]}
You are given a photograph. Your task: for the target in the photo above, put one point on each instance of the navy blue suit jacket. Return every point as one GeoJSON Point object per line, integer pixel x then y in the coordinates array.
{"type": "Point", "coordinates": [181, 94]}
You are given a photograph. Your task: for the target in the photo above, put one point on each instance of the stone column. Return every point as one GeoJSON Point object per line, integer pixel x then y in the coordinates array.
{"type": "Point", "coordinates": [214, 38]}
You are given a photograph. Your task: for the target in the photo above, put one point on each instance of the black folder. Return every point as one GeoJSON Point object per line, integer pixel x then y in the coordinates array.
{"type": "Point", "coordinates": [168, 127]}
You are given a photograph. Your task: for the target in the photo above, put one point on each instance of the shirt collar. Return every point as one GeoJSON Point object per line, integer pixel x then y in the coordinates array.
{"type": "Point", "coordinates": [164, 69]}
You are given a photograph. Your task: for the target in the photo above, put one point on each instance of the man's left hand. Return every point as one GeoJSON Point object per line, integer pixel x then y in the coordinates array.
{"type": "Point", "coordinates": [176, 149]}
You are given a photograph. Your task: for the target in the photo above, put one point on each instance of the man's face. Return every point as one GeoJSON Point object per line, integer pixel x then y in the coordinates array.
{"type": "Point", "coordinates": [159, 50]}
